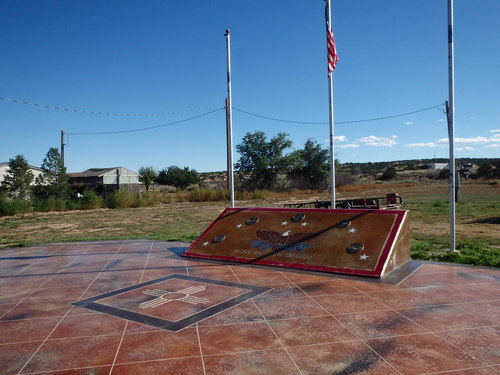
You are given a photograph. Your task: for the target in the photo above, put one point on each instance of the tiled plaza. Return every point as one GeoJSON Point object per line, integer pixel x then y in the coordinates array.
{"type": "Point", "coordinates": [138, 307]}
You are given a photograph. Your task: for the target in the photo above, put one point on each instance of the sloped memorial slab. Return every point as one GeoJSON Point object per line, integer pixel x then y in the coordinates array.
{"type": "Point", "coordinates": [358, 242]}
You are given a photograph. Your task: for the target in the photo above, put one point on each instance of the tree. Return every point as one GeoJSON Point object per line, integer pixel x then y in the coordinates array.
{"type": "Point", "coordinates": [17, 181]}
{"type": "Point", "coordinates": [310, 166]}
{"type": "Point", "coordinates": [148, 175]}
{"type": "Point", "coordinates": [53, 181]}
{"type": "Point", "coordinates": [389, 174]}
{"type": "Point", "coordinates": [181, 178]}
{"type": "Point", "coordinates": [262, 161]}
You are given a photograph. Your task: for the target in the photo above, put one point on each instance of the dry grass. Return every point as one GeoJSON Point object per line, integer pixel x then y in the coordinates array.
{"type": "Point", "coordinates": [477, 216]}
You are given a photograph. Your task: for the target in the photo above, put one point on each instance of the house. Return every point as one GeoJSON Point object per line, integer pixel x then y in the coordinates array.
{"type": "Point", "coordinates": [106, 180]}
{"type": "Point", "coordinates": [4, 168]}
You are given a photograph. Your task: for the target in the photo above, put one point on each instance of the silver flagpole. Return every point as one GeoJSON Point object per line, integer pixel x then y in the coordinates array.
{"type": "Point", "coordinates": [332, 122]}
{"type": "Point", "coordinates": [451, 123]}
{"type": "Point", "coordinates": [229, 121]}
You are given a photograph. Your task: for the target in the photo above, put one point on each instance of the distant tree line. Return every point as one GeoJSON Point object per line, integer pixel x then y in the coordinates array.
{"type": "Point", "coordinates": [175, 176]}
{"type": "Point", "coordinates": [264, 164]}
{"type": "Point", "coordinates": [272, 164]}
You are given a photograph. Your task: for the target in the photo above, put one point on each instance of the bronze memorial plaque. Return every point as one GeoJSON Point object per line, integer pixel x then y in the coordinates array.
{"type": "Point", "coordinates": [359, 242]}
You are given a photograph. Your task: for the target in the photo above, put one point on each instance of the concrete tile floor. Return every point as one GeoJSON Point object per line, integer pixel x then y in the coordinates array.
{"type": "Point", "coordinates": [437, 319]}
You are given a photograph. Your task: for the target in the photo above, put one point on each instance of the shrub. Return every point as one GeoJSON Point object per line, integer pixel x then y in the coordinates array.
{"type": "Point", "coordinates": [91, 200]}
{"type": "Point", "coordinates": [50, 204]}
{"type": "Point", "coordinates": [74, 204]}
{"type": "Point", "coordinates": [13, 206]}
{"type": "Point", "coordinates": [148, 199]}
{"type": "Point", "coordinates": [344, 179]}
{"type": "Point", "coordinates": [122, 199]}
{"type": "Point", "coordinates": [255, 194]}
{"type": "Point", "coordinates": [444, 174]}
{"type": "Point", "coordinates": [282, 185]}
{"type": "Point", "coordinates": [389, 174]}
{"type": "Point", "coordinates": [208, 195]}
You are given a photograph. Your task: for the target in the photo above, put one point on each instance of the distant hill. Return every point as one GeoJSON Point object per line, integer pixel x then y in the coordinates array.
{"type": "Point", "coordinates": [379, 167]}
{"type": "Point", "coordinates": [414, 164]}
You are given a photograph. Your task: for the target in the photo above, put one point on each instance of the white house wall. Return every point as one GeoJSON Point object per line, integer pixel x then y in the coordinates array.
{"type": "Point", "coordinates": [4, 169]}
{"type": "Point", "coordinates": [121, 176]}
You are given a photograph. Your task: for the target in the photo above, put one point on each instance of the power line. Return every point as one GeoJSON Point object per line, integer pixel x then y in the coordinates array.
{"type": "Point", "coordinates": [147, 128]}
{"type": "Point", "coordinates": [106, 113]}
{"type": "Point", "coordinates": [337, 122]}
{"type": "Point", "coordinates": [200, 109]}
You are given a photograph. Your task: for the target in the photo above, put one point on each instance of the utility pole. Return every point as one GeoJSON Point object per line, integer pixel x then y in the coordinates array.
{"type": "Point", "coordinates": [62, 147]}
{"type": "Point", "coordinates": [229, 121]}
{"type": "Point", "coordinates": [450, 110]}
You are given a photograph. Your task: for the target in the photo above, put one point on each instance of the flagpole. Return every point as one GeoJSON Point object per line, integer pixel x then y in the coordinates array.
{"type": "Point", "coordinates": [229, 121]}
{"type": "Point", "coordinates": [451, 122]}
{"type": "Point", "coordinates": [330, 112]}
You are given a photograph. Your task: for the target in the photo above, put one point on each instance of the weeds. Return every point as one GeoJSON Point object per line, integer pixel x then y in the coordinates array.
{"type": "Point", "coordinates": [476, 253]}
{"type": "Point", "coordinates": [10, 206]}
{"type": "Point", "coordinates": [91, 201]}
{"type": "Point", "coordinates": [122, 199]}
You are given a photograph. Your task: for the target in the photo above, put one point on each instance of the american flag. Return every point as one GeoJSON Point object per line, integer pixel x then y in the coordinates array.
{"type": "Point", "coordinates": [332, 51]}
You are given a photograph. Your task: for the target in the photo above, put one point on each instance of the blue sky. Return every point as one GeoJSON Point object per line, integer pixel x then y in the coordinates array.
{"type": "Point", "coordinates": [147, 57]}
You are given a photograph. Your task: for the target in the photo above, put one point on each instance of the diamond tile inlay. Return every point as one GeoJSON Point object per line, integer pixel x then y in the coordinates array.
{"type": "Point", "coordinates": [173, 302]}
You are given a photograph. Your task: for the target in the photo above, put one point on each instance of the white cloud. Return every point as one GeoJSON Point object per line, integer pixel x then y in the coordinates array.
{"type": "Point", "coordinates": [460, 141]}
{"type": "Point", "coordinates": [494, 145]}
{"type": "Point", "coordinates": [472, 140]}
{"type": "Point", "coordinates": [442, 120]}
{"type": "Point", "coordinates": [466, 148]}
{"type": "Point", "coordinates": [426, 144]}
{"type": "Point", "coordinates": [409, 122]}
{"type": "Point", "coordinates": [495, 131]}
{"type": "Point", "coordinates": [442, 141]}
{"type": "Point", "coordinates": [340, 138]}
{"type": "Point", "coordinates": [375, 141]}
{"type": "Point", "coordinates": [495, 138]}
{"type": "Point", "coordinates": [349, 145]}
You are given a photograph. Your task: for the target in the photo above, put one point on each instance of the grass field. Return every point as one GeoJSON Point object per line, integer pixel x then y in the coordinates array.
{"type": "Point", "coordinates": [478, 217]}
